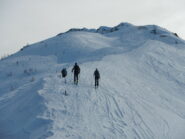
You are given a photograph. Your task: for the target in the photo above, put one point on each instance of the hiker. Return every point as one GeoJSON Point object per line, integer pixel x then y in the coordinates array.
{"type": "Point", "coordinates": [64, 73]}
{"type": "Point", "coordinates": [76, 70]}
{"type": "Point", "coordinates": [97, 77]}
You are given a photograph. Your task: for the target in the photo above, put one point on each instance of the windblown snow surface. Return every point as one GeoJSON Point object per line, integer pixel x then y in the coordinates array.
{"type": "Point", "coordinates": [141, 93]}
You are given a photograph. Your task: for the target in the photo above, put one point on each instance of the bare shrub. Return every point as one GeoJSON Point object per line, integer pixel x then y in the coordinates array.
{"type": "Point", "coordinates": [10, 74]}
{"type": "Point", "coordinates": [32, 79]}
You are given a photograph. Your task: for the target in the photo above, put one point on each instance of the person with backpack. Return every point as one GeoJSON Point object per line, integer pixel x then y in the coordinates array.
{"type": "Point", "coordinates": [97, 77]}
{"type": "Point", "coordinates": [64, 73]}
{"type": "Point", "coordinates": [76, 71]}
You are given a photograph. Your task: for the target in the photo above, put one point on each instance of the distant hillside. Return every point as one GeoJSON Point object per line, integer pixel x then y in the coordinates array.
{"type": "Point", "coordinates": [141, 93]}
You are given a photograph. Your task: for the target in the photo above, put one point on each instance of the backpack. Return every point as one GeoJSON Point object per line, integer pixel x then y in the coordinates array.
{"type": "Point", "coordinates": [97, 74]}
{"type": "Point", "coordinates": [64, 72]}
{"type": "Point", "coordinates": [78, 69]}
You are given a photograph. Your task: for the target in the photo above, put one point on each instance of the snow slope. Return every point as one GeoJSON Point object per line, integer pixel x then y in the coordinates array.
{"type": "Point", "coordinates": [141, 93]}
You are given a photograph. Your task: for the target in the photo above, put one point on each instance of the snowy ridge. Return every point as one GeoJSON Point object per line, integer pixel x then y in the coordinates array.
{"type": "Point", "coordinates": [125, 36]}
{"type": "Point", "coordinates": [141, 93]}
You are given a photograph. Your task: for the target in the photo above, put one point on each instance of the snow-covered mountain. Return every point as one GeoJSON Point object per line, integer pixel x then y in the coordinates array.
{"type": "Point", "coordinates": [141, 93]}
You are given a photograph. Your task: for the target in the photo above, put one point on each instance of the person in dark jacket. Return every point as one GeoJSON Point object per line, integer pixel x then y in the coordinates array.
{"type": "Point", "coordinates": [64, 73]}
{"type": "Point", "coordinates": [76, 71]}
{"type": "Point", "coordinates": [97, 77]}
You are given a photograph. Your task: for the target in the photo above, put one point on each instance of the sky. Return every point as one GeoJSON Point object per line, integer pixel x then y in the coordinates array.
{"type": "Point", "coordinates": [28, 21]}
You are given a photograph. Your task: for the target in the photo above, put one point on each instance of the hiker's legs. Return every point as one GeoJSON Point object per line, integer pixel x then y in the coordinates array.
{"type": "Point", "coordinates": [74, 78]}
{"type": "Point", "coordinates": [96, 84]}
{"type": "Point", "coordinates": [77, 79]}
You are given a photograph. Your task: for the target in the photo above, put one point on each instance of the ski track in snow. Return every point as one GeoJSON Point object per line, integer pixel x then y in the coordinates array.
{"type": "Point", "coordinates": [108, 112]}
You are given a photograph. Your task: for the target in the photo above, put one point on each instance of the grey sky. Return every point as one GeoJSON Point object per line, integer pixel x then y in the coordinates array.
{"type": "Point", "coordinates": [29, 21]}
